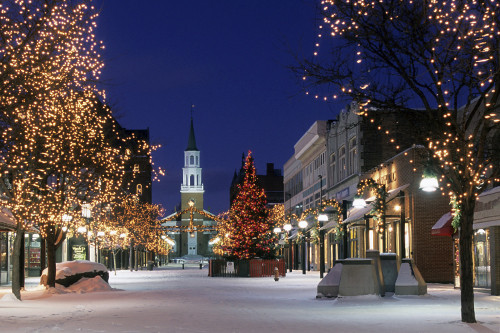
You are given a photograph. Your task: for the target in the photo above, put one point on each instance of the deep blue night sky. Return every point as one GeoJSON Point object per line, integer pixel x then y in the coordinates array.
{"type": "Point", "coordinates": [229, 59]}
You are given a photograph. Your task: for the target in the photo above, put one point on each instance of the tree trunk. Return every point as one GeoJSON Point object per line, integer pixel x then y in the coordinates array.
{"type": "Point", "coordinates": [43, 261]}
{"type": "Point", "coordinates": [136, 259]}
{"type": "Point", "coordinates": [131, 256]}
{"type": "Point", "coordinates": [466, 263]}
{"type": "Point", "coordinates": [51, 259]}
{"type": "Point", "coordinates": [17, 265]}
{"type": "Point", "coordinates": [114, 259]}
{"type": "Point", "coordinates": [22, 260]}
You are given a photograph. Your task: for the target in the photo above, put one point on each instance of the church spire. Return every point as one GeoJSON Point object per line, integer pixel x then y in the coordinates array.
{"type": "Point", "coordinates": [191, 140]}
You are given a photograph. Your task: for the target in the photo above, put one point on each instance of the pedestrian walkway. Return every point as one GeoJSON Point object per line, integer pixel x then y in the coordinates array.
{"type": "Point", "coordinates": [170, 299]}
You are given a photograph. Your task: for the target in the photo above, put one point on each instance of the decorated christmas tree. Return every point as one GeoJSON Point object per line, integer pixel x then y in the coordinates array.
{"type": "Point", "coordinates": [248, 233]}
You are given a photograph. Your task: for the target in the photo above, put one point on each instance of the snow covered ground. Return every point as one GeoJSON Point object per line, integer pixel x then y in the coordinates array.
{"type": "Point", "coordinates": [175, 300]}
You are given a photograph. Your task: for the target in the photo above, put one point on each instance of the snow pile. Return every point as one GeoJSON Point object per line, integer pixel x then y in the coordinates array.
{"type": "Point", "coordinates": [87, 285]}
{"type": "Point", "coordinates": [68, 268]}
{"type": "Point", "coordinates": [8, 298]}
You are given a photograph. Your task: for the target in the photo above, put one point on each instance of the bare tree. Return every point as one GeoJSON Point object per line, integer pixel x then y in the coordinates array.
{"type": "Point", "coordinates": [440, 57]}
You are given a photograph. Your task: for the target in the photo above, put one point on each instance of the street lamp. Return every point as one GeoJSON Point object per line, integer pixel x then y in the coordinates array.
{"type": "Point", "coordinates": [322, 218]}
{"type": "Point", "coordinates": [287, 227]}
{"type": "Point", "coordinates": [429, 183]}
{"type": "Point", "coordinates": [303, 225]}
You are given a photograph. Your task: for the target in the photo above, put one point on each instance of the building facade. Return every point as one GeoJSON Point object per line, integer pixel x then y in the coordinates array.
{"type": "Point", "coordinates": [355, 148]}
{"type": "Point", "coordinates": [271, 182]}
{"type": "Point", "coordinates": [487, 240]}
{"type": "Point", "coordinates": [408, 217]}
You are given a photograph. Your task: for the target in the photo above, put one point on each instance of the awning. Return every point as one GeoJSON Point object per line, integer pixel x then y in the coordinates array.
{"type": "Point", "coordinates": [7, 221]}
{"type": "Point", "coordinates": [329, 225]}
{"type": "Point", "coordinates": [354, 214]}
{"type": "Point", "coordinates": [391, 194]}
{"type": "Point", "coordinates": [443, 226]}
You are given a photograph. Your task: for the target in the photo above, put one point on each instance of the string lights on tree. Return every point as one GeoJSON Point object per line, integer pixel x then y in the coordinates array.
{"type": "Point", "coordinates": [61, 148]}
{"type": "Point", "coordinates": [248, 233]}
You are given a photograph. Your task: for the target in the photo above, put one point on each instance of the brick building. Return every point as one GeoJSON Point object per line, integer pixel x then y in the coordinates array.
{"type": "Point", "coordinates": [410, 214]}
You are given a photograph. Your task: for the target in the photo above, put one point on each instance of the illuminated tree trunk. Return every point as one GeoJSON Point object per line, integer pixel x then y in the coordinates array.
{"type": "Point", "coordinates": [51, 258]}
{"type": "Point", "coordinates": [17, 265]}
{"type": "Point", "coordinates": [131, 256]}
{"type": "Point", "coordinates": [114, 258]}
{"type": "Point", "coordinates": [466, 262]}
{"type": "Point", "coordinates": [43, 254]}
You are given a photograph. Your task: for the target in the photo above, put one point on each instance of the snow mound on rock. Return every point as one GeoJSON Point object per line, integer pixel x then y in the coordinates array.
{"type": "Point", "coordinates": [68, 268]}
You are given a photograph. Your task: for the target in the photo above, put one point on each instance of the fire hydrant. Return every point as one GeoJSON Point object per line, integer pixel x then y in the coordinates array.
{"type": "Point", "coordinates": [276, 274]}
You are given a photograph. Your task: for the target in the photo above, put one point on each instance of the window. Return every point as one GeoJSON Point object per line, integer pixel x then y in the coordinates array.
{"type": "Point", "coordinates": [332, 168]}
{"type": "Point", "coordinates": [342, 163]}
{"type": "Point", "coordinates": [353, 156]}
{"type": "Point", "coordinates": [139, 189]}
{"type": "Point", "coordinates": [191, 179]}
{"type": "Point", "coordinates": [191, 160]}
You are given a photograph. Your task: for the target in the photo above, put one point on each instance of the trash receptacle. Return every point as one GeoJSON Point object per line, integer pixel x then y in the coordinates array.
{"type": "Point", "coordinates": [150, 265]}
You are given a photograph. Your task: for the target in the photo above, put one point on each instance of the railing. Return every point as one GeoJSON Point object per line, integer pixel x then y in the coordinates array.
{"type": "Point", "coordinates": [246, 268]}
{"type": "Point", "coordinates": [265, 267]}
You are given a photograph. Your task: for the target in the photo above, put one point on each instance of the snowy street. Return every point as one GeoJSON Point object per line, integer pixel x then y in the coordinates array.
{"type": "Point", "coordinates": [175, 300]}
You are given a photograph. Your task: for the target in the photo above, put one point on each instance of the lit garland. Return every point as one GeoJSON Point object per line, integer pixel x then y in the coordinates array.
{"type": "Point", "coordinates": [378, 209]}
{"type": "Point", "coordinates": [191, 227]}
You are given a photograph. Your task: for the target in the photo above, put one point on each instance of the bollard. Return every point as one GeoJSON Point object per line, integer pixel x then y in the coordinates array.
{"type": "Point", "coordinates": [276, 274]}
{"type": "Point", "coordinates": [182, 265]}
{"type": "Point", "coordinates": [201, 265]}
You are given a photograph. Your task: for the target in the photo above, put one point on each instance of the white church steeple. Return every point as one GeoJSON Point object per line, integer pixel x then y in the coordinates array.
{"type": "Point", "coordinates": [191, 173]}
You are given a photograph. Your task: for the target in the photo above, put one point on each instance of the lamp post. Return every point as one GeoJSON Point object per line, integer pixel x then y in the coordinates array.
{"type": "Point", "coordinates": [321, 218]}
{"type": "Point", "coordinates": [277, 231]}
{"type": "Point", "coordinates": [303, 225]}
{"type": "Point", "coordinates": [287, 227]}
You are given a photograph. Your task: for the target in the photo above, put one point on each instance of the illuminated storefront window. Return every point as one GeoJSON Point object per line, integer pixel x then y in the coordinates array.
{"type": "Point", "coordinates": [482, 268]}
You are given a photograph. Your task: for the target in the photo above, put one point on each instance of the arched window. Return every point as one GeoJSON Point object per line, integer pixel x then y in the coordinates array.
{"type": "Point", "coordinates": [191, 183]}
{"type": "Point", "coordinates": [191, 161]}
